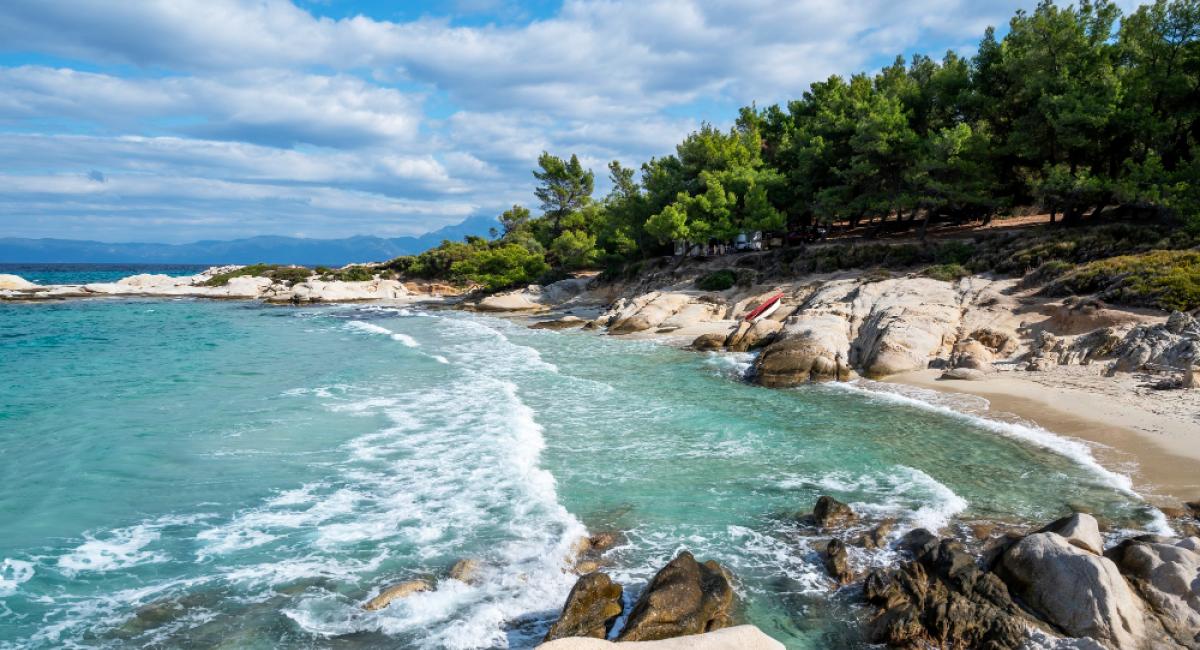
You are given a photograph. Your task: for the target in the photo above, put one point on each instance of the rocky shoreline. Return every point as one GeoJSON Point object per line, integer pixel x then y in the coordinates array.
{"type": "Point", "coordinates": [1059, 586]}
{"type": "Point", "coordinates": [1063, 585]}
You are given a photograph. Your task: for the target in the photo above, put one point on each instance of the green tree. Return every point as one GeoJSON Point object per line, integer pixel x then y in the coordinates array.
{"type": "Point", "coordinates": [564, 186]}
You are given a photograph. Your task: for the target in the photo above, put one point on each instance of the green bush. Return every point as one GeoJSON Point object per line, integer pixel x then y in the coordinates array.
{"type": "Point", "coordinates": [277, 273]}
{"type": "Point", "coordinates": [501, 267]}
{"type": "Point", "coordinates": [717, 280]}
{"type": "Point", "coordinates": [954, 252]}
{"type": "Point", "coordinates": [947, 272]}
{"type": "Point", "coordinates": [1168, 280]}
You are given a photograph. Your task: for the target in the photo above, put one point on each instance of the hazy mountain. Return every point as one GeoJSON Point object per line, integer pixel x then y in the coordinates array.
{"type": "Point", "coordinates": [276, 250]}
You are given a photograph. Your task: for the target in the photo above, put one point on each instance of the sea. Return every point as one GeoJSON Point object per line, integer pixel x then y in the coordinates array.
{"type": "Point", "coordinates": [202, 474]}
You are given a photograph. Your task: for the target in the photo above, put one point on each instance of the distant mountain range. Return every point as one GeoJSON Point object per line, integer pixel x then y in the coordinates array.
{"type": "Point", "coordinates": [272, 250]}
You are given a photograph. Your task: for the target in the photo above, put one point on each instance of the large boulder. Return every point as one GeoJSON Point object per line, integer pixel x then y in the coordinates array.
{"type": "Point", "coordinates": [684, 597]}
{"type": "Point", "coordinates": [741, 637]}
{"type": "Point", "coordinates": [591, 608]}
{"type": "Point", "coordinates": [816, 351]}
{"type": "Point", "coordinates": [1077, 591]}
{"type": "Point", "coordinates": [941, 598]}
{"type": "Point", "coordinates": [1167, 576]}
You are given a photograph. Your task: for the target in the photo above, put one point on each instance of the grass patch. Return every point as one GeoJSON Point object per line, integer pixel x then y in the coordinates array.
{"type": "Point", "coordinates": [947, 272]}
{"type": "Point", "coordinates": [717, 280]}
{"type": "Point", "coordinates": [276, 272]}
{"type": "Point", "coordinates": [1163, 279]}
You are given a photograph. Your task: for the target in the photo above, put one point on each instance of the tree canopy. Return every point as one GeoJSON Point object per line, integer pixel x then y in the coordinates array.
{"type": "Point", "coordinates": [1076, 109]}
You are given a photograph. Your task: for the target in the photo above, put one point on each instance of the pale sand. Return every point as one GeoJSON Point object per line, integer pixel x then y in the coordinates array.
{"type": "Point", "coordinates": [1152, 435]}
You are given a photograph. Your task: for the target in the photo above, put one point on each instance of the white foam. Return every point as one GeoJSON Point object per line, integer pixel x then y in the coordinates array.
{"type": "Point", "coordinates": [14, 573]}
{"type": "Point", "coordinates": [1070, 448]}
{"type": "Point", "coordinates": [118, 549]}
{"type": "Point", "coordinates": [906, 493]}
{"type": "Point", "coordinates": [372, 328]}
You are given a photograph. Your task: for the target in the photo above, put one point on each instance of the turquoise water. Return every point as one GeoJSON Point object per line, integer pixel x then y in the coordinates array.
{"type": "Point", "coordinates": [87, 273]}
{"type": "Point", "coordinates": [224, 474]}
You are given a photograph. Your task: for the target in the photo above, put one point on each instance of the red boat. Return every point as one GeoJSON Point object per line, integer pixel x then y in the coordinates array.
{"type": "Point", "coordinates": [767, 307]}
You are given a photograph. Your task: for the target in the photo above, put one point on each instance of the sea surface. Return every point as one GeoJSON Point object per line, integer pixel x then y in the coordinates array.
{"type": "Point", "coordinates": [88, 273]}
{"type": "Point", "coordinates": [180, 473]}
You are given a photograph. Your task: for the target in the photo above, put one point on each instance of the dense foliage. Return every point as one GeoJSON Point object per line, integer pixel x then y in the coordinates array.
{"type": "Point", "coordinates": [1075, 109]}
{"type": "Point", "coordinates": [279, 273]}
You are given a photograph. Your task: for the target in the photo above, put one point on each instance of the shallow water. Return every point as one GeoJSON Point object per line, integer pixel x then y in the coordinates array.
{"type": "Point", "coordinates": [186, 473]}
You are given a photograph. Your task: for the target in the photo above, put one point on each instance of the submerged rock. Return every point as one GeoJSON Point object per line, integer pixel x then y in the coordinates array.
{"type": "Point", "coordinates": [465, 570]}
{"type": "Point", "coordinates": [566, 322]}
{"type": "Point", "coordinates": [684, 597]}
{"type": "Point", "coordinates": [591, 608]}
{"type": "Point", "coordinates": [396, 592]}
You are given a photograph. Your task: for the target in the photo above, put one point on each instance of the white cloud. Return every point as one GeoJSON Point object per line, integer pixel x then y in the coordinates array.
{"type": "Point", "coordinates": [236, 114]}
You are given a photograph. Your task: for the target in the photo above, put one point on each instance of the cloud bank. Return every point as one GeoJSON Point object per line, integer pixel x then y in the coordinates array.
{"type": "Point", "coordinates": [176, 120]}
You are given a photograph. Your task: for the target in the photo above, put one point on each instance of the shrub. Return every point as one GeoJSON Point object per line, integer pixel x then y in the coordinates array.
{"type": "Point", "coordinates": [954, 252]}
{"type": "Point", "coordinates": [946, 272]}
{"type": "Point", "coordinates": [1168, 280]}
{"type": "Point", "coordinates": [277, 273]}
{"type": "Point", "coordinates": [717, 280]}
{"type": "Point", "coordinates": [501, 267]}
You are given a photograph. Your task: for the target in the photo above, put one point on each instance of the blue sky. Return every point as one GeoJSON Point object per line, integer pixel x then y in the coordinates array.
{"type": "Point", "coordinates": [178, 120]}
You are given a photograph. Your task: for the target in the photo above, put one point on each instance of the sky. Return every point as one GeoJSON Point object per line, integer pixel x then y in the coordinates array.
{"type": "Point", "coordinates": [181, 120]}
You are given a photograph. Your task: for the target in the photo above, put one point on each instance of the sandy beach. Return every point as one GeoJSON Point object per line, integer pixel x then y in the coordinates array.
{"type": "Point", "coordinates": [1154, 435]}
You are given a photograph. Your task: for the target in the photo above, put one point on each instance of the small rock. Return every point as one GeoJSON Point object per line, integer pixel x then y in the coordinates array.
{"type": "Point", "coordinates": [395, 592]}
{"type": "Point", "coordinates": [877, 536]}
{"type": "Point", "coordinates": [711, 341]}
{"type": "Point", "coordinates": [566, 322]}
{"type": "Point", "coordinates": [831, 513]}
{"type": "Point", "coordinates": [591, 608]}
{"type": "Point", "coordinates": [964, 374]}
{"type": "Point", "coordinates": [465, 570]}
{"type": "Point", "coordinates": [837, 562]}
{"type": "Point", "coordinates": [1194, 506]}
{"type": "Point", "coordinates": [584, 567]}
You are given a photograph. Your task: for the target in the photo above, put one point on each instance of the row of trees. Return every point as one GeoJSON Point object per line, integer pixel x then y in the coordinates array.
{"type": "Point", "coordinates": [1075, 109]}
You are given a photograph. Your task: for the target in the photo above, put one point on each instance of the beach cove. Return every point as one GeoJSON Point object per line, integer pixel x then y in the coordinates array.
{"type": "Point", "coordinates": [407, 437]}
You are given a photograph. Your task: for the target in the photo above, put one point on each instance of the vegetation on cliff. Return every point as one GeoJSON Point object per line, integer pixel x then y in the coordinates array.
{"type": "Point", "coordinates": [1076, 110]}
